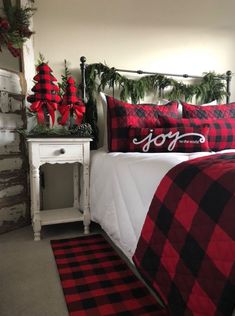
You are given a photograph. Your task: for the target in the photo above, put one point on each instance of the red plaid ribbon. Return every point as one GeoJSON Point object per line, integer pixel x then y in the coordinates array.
{"type": "Point", "coordinates": [38, 107]}
{"type": "Point", "coordinates": [4, 25]}
{"type": "Point", "coordinates": [79, 110]}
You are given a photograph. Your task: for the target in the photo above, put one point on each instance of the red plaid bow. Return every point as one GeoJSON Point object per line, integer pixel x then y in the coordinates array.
{"type": "Point", "coordinates": [65, 110]}
{"type": "Point", "coordinates": [38, 107]}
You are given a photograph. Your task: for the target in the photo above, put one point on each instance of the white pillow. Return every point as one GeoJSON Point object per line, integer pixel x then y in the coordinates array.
{"type": "Point", "coordinates": [180, 107]}
{"type": "Point", "coordinates": [210, 103]}
{"type": "Point", "coordinates": [162, 101]}
{"type": "Point", "coordinates": [102, 121]}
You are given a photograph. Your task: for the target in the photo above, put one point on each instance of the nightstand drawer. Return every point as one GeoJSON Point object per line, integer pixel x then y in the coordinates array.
{"type": "Point", "coordinates": [60, 151]}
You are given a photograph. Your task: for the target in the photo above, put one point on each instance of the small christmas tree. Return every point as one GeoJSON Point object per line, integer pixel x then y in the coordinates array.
{"type": "Point", "coordinates": [71, 105]}
{"type": "Point", "coordinates": [45, 98]}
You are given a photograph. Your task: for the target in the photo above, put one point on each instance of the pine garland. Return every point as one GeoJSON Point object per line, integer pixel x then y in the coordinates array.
{"type": "Point", "coordinates": [211, 86]}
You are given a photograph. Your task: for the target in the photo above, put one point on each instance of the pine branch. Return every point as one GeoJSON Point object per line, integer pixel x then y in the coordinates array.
{"type": "Point", "coordinates": [41, 59]}
{"type": "Point", "coordinates": [63, 84]}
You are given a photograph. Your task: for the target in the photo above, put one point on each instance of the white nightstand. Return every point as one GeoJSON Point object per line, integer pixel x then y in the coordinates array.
{"type": "Point", "coordinates": [60, 150]}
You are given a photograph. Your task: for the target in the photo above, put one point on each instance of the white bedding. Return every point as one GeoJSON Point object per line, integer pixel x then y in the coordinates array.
{"type": "Point", "coordinates": [122, 186]}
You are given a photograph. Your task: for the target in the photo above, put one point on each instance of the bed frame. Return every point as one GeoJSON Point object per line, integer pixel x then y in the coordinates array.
{"type": "Point", "coordinates": [227, 77]}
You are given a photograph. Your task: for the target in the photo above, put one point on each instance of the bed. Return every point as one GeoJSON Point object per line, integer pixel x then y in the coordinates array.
{"type": "Point", "coordinates": [129, 174]}
{"type": "Point", "coordinates": [121, 203]}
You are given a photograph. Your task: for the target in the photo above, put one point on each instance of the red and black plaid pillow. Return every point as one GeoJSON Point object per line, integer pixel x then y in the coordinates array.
{"type": "Point", "coordinates": [209, 112]}
{"type": "Point", "coordinates": [169, 139]}
{"type": "Point", "coordinates": [121, 115]}
{"type": "Point", "coordinates": [221, 133]}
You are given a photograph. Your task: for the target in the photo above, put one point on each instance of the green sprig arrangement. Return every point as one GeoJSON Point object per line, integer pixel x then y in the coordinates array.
{"type": "Point", "coordinates": [64, 77]}
{"type": "Point", "coordinates": [83, 130]}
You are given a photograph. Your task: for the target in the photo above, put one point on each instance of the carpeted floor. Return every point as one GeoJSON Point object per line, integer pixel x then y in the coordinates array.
{"type": "Point", "coordinates": [29, 280]}
{"type": "Point", "coordinates": [96, 281]}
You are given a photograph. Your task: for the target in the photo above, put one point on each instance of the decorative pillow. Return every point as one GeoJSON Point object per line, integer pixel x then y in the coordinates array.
{"type": "Point", "coordinates": [208, 112]}
{"type": "Point", "coordinates": [221, 133]}
{"type": "Point", "coordinates": [180, 107]}
{"type": "Point", "coordinates": [121, 115]}
{"type": "Point", "coordinates": [169, 139]}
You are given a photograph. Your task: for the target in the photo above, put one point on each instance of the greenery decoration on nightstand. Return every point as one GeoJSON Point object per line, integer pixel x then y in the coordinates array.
{"type": "Point", "coordinates": [84, 130]}
{"type": "Point", "coordinates": [48, 98]}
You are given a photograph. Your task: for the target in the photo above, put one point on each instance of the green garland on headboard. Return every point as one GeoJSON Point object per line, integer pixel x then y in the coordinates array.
{"type": "Point", "coordinates": [210, 87]}
{"type": "Point", "coordinates": [99, 77]}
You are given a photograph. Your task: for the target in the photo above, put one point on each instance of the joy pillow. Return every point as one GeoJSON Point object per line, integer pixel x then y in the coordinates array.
{"type": "Point", "coordinates": [121, 115]}
{"type": "Point", "coordinates": [169, 139]}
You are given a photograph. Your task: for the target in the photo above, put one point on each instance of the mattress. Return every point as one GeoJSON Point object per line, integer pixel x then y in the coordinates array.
{"type": "Point", "coordinates": [122, 186]}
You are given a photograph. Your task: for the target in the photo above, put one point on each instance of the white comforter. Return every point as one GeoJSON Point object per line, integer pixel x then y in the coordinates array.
{"type": "Point", "coordinates": [122, 186]}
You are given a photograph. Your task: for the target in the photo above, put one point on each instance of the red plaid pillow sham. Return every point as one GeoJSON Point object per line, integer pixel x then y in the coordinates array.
{"type": "Point", "coordinates": [169, 139]}
{"type": "Point", "coordinates": [121, 115]}
{"type": "Point", "coordinates": [221, 133]}
{"type": "Point", "coordinates": [208, 112]}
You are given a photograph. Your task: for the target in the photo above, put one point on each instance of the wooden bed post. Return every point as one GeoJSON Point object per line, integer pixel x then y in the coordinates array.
{"type": "Point", "coordinates": [83, 78]}
{"type": "Point", "coordinates": [228, 82]}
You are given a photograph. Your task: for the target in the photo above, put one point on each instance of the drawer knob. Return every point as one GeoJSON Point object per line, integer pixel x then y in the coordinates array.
{"type": "Point", "coordinates": [62, 151]}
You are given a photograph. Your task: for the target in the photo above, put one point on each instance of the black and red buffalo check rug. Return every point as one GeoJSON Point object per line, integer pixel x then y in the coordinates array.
{"type": "Point", "coordinates": [96, 281]}
{"type": "Point", "coordinates": [187, 246]}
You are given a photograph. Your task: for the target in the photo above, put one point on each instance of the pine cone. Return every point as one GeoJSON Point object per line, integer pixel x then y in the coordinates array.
{"type": "Point", "coordinates": [25, 32]}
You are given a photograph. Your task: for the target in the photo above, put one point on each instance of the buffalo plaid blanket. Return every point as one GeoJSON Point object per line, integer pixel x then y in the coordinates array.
{"type": "Point", "coordinates": [186, 250]}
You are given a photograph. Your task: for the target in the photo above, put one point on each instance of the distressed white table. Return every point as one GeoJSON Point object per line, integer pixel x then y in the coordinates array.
{"type": "Point", "coordinates": [60, 150]}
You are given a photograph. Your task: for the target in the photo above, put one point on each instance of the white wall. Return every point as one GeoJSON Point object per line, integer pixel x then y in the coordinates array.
{"type": "Point", "coordinates": [175, 36]}
{"type": "Point", "coordinates": [161, 35]}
